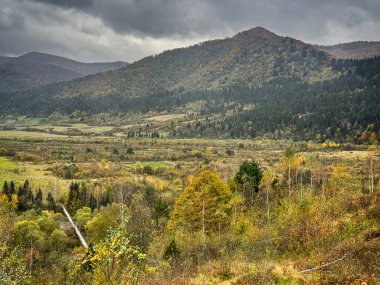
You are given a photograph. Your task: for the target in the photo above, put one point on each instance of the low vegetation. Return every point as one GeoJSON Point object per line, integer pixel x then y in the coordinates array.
{"type": "Point", "coordinates": [188, 211]}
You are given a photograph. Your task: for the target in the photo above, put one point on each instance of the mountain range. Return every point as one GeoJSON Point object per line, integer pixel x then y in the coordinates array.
{"type": "Point", "coordinates": [37, 69]}
{"type": "Point", "coordinates": [251, 56]}
{"type": "Point", "coordinates": [255, 83]}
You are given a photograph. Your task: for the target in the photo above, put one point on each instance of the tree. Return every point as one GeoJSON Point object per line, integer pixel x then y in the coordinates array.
{"type": "Point", "coordinates": [50, 203]}
{"type": "Point", "coordinates": [29, 195]}
{"type": "Point", "coordinates": [73, 202]}
{"type": "Point", "coordinates": [12, 189]}
{"type": "Point", "coordinates": [248, 178]}
{"type": "Point", "coordinates": [13, 269]}
{"type": "Point", "coordinates": [204, 205]}
{"type": "Point", "coordinates": [140, 223]}
{"type": "Point", "coordinates": [115, 260]}
{"type": "Point", "coordinates": [108, 218]}
{"type": "Point", "coordinates": [288, 165]}
{"type": "Point", "coordinates": [39, 199]}
{"type": "Point", "coordinates": [22, 199]}
{"type": "Point", "coordinates": [372, 155]}
{"type": "Point", "coordinates": [28, 234]}
{"type": "Point", "coordinates": [339, 179]}
{"type": "Point", "coordinates": [266, 183]}
{"type": "Point", "coordinates": [57, 241]}
{"type": "Point", "coordinates": [5, 190]}
{"type": "Point", "coordinates": [82, 216]}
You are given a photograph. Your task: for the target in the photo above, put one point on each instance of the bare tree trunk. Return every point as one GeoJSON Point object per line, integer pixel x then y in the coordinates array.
{"type": "Point", "coordinates": [371, 178]}
{"type": "Point", "coordinates": [301, 187]}
{"type": "Point", "coordinates": [122, 199]}
{"type": "Point", "coordinates": [311, 179]}
{"type": "Point", "coordinates": [289, 178]}
{"type": "Point", "coordinates": [31, 257]}
{"type": "Point", "coordinates": [252, 191]}
{"type": "Point", "coordinates": [235, 212]}
{"type": "Point", "coordinates": [268, 203]}
{"type": "Point", "coordinates": [203, 222]}
{"type": "Point", "coordinates": [323, 180]}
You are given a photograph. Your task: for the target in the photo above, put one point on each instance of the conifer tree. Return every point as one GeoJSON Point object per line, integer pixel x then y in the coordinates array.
{"type": "Point", "coordinates": [22, 199]}
{"type": "Point", "coordinates": [51, 206]}
{"type": "Point", "coordinates": [5, 190]}
{"type": "Point", "coordinates": [12, 189]}
{"type": "Point", "coordinates": [39, 199]}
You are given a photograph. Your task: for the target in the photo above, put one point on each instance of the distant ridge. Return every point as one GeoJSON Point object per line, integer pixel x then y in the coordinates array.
{"type": "Point", "coordinates": [354, 50]}
{"type": "Point", "coordinates": [36, 69]}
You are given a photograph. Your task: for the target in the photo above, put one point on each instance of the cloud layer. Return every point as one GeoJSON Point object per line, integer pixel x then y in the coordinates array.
{"type": "Point", "coordinates": [98, 30]}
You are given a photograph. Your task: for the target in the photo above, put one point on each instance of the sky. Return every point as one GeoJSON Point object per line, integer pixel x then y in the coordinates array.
{"type": "Point", "coordinates": [128, 30]}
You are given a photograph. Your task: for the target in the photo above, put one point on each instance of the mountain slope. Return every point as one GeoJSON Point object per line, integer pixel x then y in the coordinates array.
{"type": "Point", "coordinates": [4, 59]}
{"type": "Point", "coordinates": [353, 50]}
{"type": "Point", "coordinates": [254, 84]}
{"type": "Point", "coordinates": [37, 69]}
{"type": "Point", "coordinates": [253, 57]}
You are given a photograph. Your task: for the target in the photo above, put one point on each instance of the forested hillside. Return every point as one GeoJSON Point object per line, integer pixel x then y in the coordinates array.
{"type": "Point", "coordinates": [254, 57]}
{"type": "Point", "coordinates": [345, 108]}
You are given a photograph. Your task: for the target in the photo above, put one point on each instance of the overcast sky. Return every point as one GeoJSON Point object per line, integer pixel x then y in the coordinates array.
{"type": "Point", "coordinates": [107, 30]}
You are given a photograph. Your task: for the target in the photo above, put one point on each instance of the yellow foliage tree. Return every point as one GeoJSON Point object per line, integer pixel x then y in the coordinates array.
{"type": "Point", "coordinates": [339, 179]}
{"type": "Point", "coordinates": [204, 205]}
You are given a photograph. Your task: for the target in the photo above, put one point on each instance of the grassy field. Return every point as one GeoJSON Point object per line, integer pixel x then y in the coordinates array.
{"type": "Point", "coordinates": [25, 135]}
{"type": "Point", "coordinates": [38, 150]}
{"type": "Point", "coordinates": [153, 164]}
{"type": "Point", "coordinates": [36, 174]}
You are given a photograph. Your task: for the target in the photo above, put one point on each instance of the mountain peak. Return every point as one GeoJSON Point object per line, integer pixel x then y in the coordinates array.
{"type": "Point", "coordinates": [257, 32]}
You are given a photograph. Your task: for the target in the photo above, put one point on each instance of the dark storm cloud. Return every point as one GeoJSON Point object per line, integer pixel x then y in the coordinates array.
{"type": "Point", "coordinates": [80, 4]}
{"type": "Point", "coordinates": [168, 18]}
{"type": "Point", "coordinates": [130, 29]}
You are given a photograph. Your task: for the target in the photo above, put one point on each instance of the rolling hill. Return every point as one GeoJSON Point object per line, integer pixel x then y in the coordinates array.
{"type": "Point", "coordinates": [37, 69]}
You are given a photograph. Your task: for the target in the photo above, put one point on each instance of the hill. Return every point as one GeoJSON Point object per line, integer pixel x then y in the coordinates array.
{"type": "Point", "coordinates": [253, 57]}
{"type": "Point", "coordinates": [354, 50]}
{"type": "Point", "coordinates": [37, 69]}
{"type": "Point", "coordinates": [253, 84]}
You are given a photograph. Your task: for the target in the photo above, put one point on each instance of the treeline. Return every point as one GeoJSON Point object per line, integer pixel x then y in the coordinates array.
{"type": "Point", "coordinates": [24, 198]}
{"type": "Point", "coordinates": [133, 134]}
{"type": "Point", "coordinates": [79, 196]}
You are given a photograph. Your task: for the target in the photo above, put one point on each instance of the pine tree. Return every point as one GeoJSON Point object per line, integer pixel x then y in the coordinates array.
{"type": "Point", "coordinates": [22, 199]}
{"type": "Point", "coordinates": [12, 189]}
{"type": "Point", "coordinates": [5, 190]}
{"type": "Point", "coordinates": [92, 202]}
{"type": "Point", "coordinates": [50, 203]}
{"type": "Point", "coordinates": [248, 178]}
{"type": "Point", "coordinates": [73, 198]}
{"type": "Point", "coordinates": [29, 195]}
{"type": "Point", "coordinates": [39, 199]}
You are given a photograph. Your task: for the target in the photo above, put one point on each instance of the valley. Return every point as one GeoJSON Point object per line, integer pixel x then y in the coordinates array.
{"type": "Point", "coordinates": [252, 159]}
